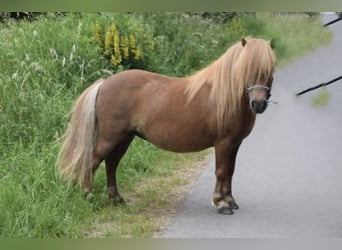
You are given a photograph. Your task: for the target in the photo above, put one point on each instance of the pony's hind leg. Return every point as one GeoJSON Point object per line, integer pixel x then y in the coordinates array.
{"type": "Point", "coordinates": [112, 162]}
{"type": "Point", "coordinates": [101, 150]}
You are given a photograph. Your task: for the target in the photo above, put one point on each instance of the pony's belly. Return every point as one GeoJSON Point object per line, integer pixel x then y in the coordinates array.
{"type": "Point", "coordinates": [181, 147]}
{"type": "Point", "coordinates": [179, 142]}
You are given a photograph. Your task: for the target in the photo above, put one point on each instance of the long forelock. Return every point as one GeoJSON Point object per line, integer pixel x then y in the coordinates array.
{"type": "Point", "coordinates": [255, 64]}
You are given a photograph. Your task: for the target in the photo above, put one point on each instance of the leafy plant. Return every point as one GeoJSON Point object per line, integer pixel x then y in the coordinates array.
{"type": "Point", "coordinates": [124, 46]}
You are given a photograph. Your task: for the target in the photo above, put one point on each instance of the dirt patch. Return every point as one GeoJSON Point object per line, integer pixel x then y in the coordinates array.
{"type": "Point", "coordinates": [180, 192]}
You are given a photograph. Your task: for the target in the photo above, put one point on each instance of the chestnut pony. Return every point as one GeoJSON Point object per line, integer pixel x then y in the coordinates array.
{"type": "Point", "coordinates": [213, 107]}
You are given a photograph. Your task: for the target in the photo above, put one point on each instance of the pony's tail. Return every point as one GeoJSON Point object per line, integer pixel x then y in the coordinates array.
{"type": "Point", "coordinates": [75, 157]}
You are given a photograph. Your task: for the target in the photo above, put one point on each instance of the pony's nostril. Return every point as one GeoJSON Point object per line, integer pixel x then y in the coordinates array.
{"type": "Point", "coordinates": [254, 105]}
{"type": "Point", "coordinates": [264, 105]}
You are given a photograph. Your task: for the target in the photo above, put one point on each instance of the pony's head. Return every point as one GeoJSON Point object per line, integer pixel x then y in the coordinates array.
{"type": "Point", "coordinates": [254, 70]}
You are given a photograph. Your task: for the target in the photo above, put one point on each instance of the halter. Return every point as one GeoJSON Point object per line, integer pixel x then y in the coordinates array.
{"type": "Point", "coordinates": [268, 89]}
{"type": "Point", "coordinates": [258, 86]}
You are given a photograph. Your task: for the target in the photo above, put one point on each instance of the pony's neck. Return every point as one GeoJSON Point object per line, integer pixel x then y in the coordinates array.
{"type": "Point", "coordinates": [196, 81]}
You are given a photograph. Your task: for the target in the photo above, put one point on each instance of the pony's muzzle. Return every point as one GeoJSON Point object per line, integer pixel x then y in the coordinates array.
{"type": "Point", "coordinates": [258, 106]}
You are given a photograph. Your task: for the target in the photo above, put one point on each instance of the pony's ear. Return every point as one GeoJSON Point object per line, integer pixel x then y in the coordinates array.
{"type": "Point", "coordinates": [272, 43]}
{"type": "Point", "coordinates": [243, 42]}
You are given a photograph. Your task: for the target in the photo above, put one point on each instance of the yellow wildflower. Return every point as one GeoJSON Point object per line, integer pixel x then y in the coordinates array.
{"type": "Point", "coordinates": [117, 48]}
{"type": "Point", "coordinates": [132, 42]}
{"type": "Point", "coordinates": [98, 35]}
{"type": "Point", "coordinates": [137, 54]}
{"type": "Point", "coordinates": [124, 47]}
{"type": "Point", "coordinates": [125, 53]}
{"type": "Point", "coordinates": [108, 43]}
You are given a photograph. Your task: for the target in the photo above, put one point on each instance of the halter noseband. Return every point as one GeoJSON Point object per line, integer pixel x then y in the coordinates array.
{"type": "Point", "coordinates": [259, 86]}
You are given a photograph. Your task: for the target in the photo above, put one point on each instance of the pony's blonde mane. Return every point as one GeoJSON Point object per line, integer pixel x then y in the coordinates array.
{"type": "Point", "coordinates": [239, 67]}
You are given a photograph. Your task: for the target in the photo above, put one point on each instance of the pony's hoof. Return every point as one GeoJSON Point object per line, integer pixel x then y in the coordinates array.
{"type": "Point", "coordinates": [233, 205]}
{"type": "Point", "coordinates": [225, 211]}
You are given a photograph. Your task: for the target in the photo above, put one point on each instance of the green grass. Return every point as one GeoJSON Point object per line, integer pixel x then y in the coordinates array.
{"type": "Point", "coordinates": [321, 99]}
{"type": "Point", "coordinates": [294, 35]}
{"type": "Point", "coordinates": [44, 67]}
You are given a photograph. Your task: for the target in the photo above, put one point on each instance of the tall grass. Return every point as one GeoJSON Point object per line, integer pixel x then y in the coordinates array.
{"type": "Point", "coordinates": [294, 35]}
{"type": "Point", "coordinates": [44, 67]}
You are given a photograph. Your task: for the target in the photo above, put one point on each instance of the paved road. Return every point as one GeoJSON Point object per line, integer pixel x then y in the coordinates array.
{"type": "Point", "coordinates": [292, 185]}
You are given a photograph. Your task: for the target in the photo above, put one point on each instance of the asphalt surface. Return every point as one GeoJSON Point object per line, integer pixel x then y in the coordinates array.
{"type": "Point", "coordinates": [288, 177]}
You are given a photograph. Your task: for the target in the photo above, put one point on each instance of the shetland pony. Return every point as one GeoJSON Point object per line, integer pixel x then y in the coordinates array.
{"type": "Point", "coordinates": [215, 107]}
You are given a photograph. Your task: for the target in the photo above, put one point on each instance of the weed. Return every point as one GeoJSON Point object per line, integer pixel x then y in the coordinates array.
{"type": "Point", "coordinates": [321, 99]}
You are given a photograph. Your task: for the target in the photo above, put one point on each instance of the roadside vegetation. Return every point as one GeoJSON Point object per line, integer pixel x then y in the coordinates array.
{"type": "Point", "coordinates": [321, 99]}
{"type": "Point", "coordinates": [48, 61]}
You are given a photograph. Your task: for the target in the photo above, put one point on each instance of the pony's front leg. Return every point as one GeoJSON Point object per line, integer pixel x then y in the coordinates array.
{"type": "Point", "coordinates": [227, 186]}
{"type": "Point", "coordinates": [223, 200]}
